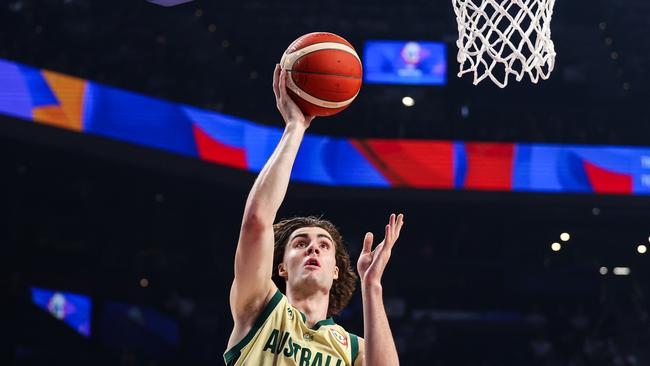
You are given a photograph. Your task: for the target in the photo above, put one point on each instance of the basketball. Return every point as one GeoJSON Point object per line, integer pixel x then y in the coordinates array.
{"type": "Point", "coordinates": [324, 73]}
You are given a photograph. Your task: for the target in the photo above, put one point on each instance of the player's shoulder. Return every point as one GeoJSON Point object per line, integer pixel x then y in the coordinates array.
{"type": "Point", "coordinates": [275, 300]}
{"type": "Point", "coordinates": [342, 329]}
{"type": "Point", "coordinates": [260, 310]}
{"type": "Point", "coordinates": [355, 343]}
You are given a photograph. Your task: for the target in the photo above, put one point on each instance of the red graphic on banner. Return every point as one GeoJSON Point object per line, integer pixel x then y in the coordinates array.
{"type": "Point", "coordinates": [214, 151]}
{"type": "Point", "coordinates": [421, 164]}
{"type": "Point", "coordinates": [489, 165]}
{"type": "Point", "coordinates": [606, 181]}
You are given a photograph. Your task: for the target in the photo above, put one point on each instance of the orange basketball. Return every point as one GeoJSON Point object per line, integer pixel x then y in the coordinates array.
{"type": "Point", "coordinates": [324, 73]}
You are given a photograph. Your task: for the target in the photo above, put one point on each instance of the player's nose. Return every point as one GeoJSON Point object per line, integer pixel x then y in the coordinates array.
{"type": "Point", "coordinates": [313, 248]}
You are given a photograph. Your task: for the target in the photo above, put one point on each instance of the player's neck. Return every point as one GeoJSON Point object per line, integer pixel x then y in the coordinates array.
{"type": "Point", "coordinates": [314, 305]}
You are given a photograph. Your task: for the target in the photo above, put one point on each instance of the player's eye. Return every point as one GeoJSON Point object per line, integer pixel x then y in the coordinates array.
{"type": "Point", "coordinates": [301, 244]}
{"type": "Point", "coordinates": [325, 245]}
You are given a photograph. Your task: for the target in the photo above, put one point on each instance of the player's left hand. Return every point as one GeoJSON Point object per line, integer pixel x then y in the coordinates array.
{"type": "Point", "coordinates": [371, 263]}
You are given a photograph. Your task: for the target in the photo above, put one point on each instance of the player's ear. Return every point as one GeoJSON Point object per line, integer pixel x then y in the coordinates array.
{"type": "Point", "coordinates": [282, 271]}
{"type": "Point", "coordinates": [336, 272]}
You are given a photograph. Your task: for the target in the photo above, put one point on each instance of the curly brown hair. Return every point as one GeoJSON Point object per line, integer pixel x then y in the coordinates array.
{"type": "Point", "coordinates": [343, 287]}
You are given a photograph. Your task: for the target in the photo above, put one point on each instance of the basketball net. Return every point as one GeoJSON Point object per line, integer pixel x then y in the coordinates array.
{"type": "Point", "coordinates": [499, 38]}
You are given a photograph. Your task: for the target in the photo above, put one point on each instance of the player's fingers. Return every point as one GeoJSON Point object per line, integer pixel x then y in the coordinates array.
{"type": "Point", "coordinates": [398, 225]}
{"type": "Point", "coordinates": [388, 232]}
{"type": "Point", "coordinates": [367, 243]}
{"type": "Point", "coordinates": [399, 221]}
{"type": "Point", "coordinates": [283, 84]}
{"type": "Point", "coordinates": [276, 80]}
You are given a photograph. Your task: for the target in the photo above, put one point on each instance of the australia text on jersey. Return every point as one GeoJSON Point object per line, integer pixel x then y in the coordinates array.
{"type": "Point", "coordinates": [302, 355]}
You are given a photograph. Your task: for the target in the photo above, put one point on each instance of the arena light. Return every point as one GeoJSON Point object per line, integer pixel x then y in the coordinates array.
{"type": "Point", "coordinates": [641, 249]}
{"type": "Point", "coordinates": [603, 270]}
{"type": "Point", "coordinates": [556, 247]}
{"type": "Point", "coordinates": [621, 271]}
{"type": "Point", "coordinates": [408, 101]}
{"type": "Point", "coordinates": [144, 283]}
{"type": "Point", "coordinates": [565, 236]}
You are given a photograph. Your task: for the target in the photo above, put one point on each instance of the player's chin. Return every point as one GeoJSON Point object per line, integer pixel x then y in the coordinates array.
{"type": "Point", "coordinates": [310, 273]}
{"type": "Point", "coordinates": [313, 276]}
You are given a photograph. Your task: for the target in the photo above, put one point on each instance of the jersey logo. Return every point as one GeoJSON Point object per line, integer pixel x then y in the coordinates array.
{"type": "Point", "coordinates": [290, 312]}
{"type": "Point", "coordinates": [339, 337]}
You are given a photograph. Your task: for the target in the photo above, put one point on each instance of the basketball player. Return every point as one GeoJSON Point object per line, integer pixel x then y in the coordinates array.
{"type": "Point", "coordinates": [306, 257]}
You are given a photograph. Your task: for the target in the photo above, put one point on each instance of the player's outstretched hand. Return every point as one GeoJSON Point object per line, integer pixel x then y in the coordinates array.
{"type": "Point", "coordinates": [287, 107]}
{"type": "Point", "coordinates": [372, 263]}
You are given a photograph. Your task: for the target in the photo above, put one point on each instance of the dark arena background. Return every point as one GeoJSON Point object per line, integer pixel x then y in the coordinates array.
{"type": "Point", "coordinates": [131, 133]}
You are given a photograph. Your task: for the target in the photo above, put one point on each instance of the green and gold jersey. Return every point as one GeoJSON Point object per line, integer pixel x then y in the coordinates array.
{"type": "Point", "coordinates": [280, 337]}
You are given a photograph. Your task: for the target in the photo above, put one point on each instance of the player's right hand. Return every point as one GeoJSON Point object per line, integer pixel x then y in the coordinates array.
{"type": "Point", "coordinates": [289, 110]}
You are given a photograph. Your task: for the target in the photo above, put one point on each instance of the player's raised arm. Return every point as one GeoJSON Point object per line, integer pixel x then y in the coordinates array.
{"type": "Point", "coordinates": [379, 346]}
{"type": "Point", "coordinates": [252, 286]}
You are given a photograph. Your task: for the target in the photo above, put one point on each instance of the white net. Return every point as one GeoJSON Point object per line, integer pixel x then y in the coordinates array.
{"type": "Point", "coordinates": [497, 39]}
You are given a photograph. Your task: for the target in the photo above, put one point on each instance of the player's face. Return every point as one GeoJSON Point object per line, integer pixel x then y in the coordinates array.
{"type": "Point", "coordinates": [310, 259]}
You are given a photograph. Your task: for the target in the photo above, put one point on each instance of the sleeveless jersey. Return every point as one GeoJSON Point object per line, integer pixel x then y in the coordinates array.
{"type": "Point", "coordinates": [280, 337]}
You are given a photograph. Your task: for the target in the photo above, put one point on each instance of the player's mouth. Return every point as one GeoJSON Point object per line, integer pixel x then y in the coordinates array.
{"type": "Point", "coordinates": [312, 262]}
